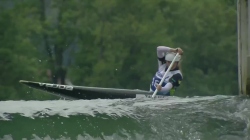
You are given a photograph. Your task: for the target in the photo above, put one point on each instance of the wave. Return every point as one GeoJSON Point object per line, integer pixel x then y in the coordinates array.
{"type": "Point", "coordinates": [216, 117]}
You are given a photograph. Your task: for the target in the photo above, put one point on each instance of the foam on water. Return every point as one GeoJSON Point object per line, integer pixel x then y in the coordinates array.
{"type": "Point", "coordinates": [196, 118]}
{"type": "Point", "coordinates": [66, 108]}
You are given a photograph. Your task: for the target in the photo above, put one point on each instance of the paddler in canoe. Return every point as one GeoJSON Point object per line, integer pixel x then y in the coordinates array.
{"type": "Point", "coordinates": [174, 76]}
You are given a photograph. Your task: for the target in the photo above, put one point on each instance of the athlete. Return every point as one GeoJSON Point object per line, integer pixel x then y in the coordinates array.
{"type": "Point", "coordinates": [174, 76]}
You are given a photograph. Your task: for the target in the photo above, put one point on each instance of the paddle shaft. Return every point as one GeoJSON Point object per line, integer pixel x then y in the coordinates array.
{"type": "Point", "coordinates": [169, 67]}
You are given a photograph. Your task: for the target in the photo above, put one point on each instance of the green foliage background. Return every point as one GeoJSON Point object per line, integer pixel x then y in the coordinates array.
{"type": "Point", "coordinates": [111, 43]}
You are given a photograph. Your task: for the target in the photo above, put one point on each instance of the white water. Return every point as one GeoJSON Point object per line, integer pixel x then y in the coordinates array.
{"type": "Point", "coordinates": [66, 108]}
{"type": "Point", "coordinates": [216, 117]}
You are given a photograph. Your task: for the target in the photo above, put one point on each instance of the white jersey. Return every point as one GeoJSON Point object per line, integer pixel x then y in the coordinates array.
{"type": "Point", "coordinates": [162, 69]}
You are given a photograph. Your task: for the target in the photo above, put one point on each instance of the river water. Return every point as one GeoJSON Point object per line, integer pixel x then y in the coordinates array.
{"type": "Point", "coordinates": [193, 118]}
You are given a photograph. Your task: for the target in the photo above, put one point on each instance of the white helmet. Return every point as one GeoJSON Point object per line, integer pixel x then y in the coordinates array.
{"type": "Point", "coordinates": [170, 57]}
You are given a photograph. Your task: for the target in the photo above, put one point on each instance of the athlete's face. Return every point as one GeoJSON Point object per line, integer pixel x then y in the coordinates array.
{"type": "Point", "coordinates": [173, 66]}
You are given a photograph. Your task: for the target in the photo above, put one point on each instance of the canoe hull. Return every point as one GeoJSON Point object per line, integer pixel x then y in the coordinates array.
{"type": "Point", "coordinates": [88, 93]}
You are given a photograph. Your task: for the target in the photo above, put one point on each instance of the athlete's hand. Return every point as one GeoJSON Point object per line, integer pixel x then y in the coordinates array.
{"type": "Point", "coordinates": [158, 87]}
{"type": "Point", "coordinates": [179, 50]}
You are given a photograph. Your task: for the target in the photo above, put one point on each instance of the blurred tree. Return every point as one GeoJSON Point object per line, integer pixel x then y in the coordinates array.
{"type": "Point", "coordinates": [19, 56]}
{"type": "Point", "coordinates": [113, 43]}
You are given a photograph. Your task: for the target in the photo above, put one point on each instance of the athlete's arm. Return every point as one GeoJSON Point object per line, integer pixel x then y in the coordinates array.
{"type": "Point", "coordinates": [174, 81]}
{"type": "Point", "coordinates": [161, 52]}
{"type": "Point", "coordinates": [167, 87]}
